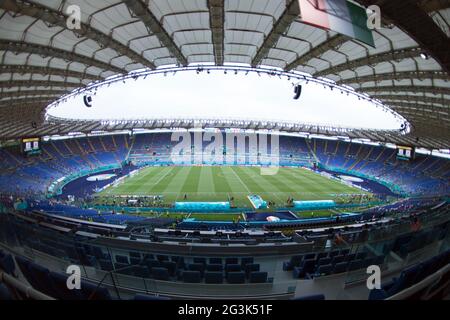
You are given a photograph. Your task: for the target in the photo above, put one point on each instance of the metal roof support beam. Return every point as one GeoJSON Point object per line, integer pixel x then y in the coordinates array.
{"type": "Point", "coordinates": [20, 102]}
{"type": "Point", "coordinates": [317, 51]}
{"type": "Point", "coordinates": [20, 47]}
{"type": "Point", "coordinates": [291, 13]}
{"type": "Point", "coordinates": [427, 89]}
{"type": "Point", "coordinates": [216, 23]}
{"type": "Point", "coordinates": [141, 10]}
{"type": "Point", "coordinates": [395, 55]}
{"type": "Point", "coordinates": [46, 71]}
{"type": "Point", "coordinates": [38, 83]}
{"type": "Point", "coordinates": [405, 75]}
{"type": "Point", "coordinates": [411, 18]}
{"type": "Point", "coordinates": [390, 98]}
{"type": "Point", "coordinates": [57, 18]}
{"type": "Point", "coordinates": [421, 108]}
{"type": "Point", "coordinates": [32, 93]}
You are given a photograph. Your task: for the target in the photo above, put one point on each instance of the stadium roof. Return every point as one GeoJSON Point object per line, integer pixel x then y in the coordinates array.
{"type": "Point", "coordinates": [41, 59]}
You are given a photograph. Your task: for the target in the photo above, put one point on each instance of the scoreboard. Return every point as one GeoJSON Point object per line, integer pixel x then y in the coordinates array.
{"type": "Point", "coordinates": [405, 153]}
{"type": "Point", "coordinates": [31, 146]}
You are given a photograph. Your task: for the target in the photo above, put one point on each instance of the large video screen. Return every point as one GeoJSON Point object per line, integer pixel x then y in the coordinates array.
{"type": "Point", "coordinates": [31, 146]}
{"type": "Point", "coordinates": [405, 153]}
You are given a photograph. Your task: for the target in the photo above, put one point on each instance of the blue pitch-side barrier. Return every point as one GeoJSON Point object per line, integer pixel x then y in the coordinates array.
{"type": "Point", "coordinates": [314, 205]}
{"type": "Point", "coordinates": [202, 206]}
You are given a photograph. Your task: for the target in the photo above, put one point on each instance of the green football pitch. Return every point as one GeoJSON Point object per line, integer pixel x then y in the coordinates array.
{"type": "Point", "coordinates": [219, 183]}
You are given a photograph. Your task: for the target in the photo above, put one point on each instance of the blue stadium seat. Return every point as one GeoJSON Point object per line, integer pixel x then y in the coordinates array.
{"type": "Point", "coordinates": [213, 277]}
{"type": "Point", "coordinates": [7, 263]}
{"type": "Point", "coordinates": [199, 260]}
{"type": "Point", "coordinates": [355, 265]}
{"type": "Point", "coordinates": [160, 273]}
{"type": "Point", "coordinates": [5, 293]}
{"type": "Point", "coordinates": [236, 277]}
{"type": "Point", "coordinates": [258, 277]}
{"type": "Point", "coordinates": [122, 259]}
{"type": "Point", "coordinates": [171, 267]}
{"type": "Point", "coordinates": [214, 267]}
{"type": "Point", "coordinates": [105, 265]}
{"type": "Point", "coordinates": [153, 263]}
{"type": "Point", "coordinates": [91, 291]}
{"type": "Point", "coordinates": [323, 261]}
{"type": "Point", "coordinates": [231, 261]}
{"type": "Point", "coordinates": [246, 260]}
{"type": "Point", "coordinates": [196, 267]}
{"type": "Point", "coordinates": [340, 267]}
{"type": "Point", "coordinates": [233, 268]}
{"type": "Point", "coordinates": [215, 260]}
{"type": "Point", "coordinates": [307, 266]}
{"type": "Point", "coordinates": [338, 259]}
{"type": "Point", "coordinates": [192, 276]}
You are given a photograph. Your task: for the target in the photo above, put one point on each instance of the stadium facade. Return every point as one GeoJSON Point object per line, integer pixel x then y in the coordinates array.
{"type": "Point", "coordinates": [120, 210]}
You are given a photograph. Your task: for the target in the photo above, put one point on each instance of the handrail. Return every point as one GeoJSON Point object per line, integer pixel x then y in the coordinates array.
{"type": "Point", "coordinates": [433, 278]}
{"type": "Point", "coordinates": [29, 291]}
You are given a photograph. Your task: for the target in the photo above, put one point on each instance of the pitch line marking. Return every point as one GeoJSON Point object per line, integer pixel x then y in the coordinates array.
{"type": "Point", "coordinates": [240, 180]}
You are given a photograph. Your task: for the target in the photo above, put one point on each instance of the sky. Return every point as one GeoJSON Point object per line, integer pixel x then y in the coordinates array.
{"type": "Point", "coordinates": [226, 96]}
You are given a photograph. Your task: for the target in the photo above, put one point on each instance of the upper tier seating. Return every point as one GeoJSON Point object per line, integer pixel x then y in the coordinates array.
{"type": "Point", "coordinates": [425, 175]}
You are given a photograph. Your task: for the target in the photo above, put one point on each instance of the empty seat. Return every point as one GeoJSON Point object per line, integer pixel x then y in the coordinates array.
{"type": "Point", "coordinates": [122, 268]}
{"type": "Point", "coordinates": [355, 265]}
{"type": "Point", "coordinates": [135, 260]}
{"type": "Point", "coordinates": [213, 277]}
{"type": "Point", "coordinates": [246, 260]}
{"type": "Point", "coordinates": [321, 255]}
{"type": "Point", "coordinates": [141, 271]}
{"type": "Point", "coordinates": [134, 254]}
{"type": "Point", "coordinates": [105, 265]}
{"type": "Point", "coordinates": [215, 260]}
{"type": "Point", "coordinates": [161, 258]}
{"type": "Point", "coordinates": [200, 260]}
{"type": "Point", "coordinates": [7, 263]}
{"type": "Point", "coordinates": [231, 261]}
{"type": "Point", "coordinates": [324, 270]}
{"type": "Point", "coordinates": [351, 257]}
{"type": "Point", "coordinates": [197, 267]}
{"type": "Point", "coordinates": [171, 266]}
{"type": "Point", "coordinates": [91, 291]}
{"type": "Point", "coordinates": [122, 259]}
{"type": "Point", "coordinates": [293, 262]}
{"type": "Point", "coordinates": [251, 267]}
{"type": "Point", "coordinates": [361, 255]}
{"type": "Point", "coordinates": [307, 266]}
{"type": "Point", "coordinates": [160, 273]}
{"type": "Point", "coordinates": [333, 253]}
{"type": "Point", "coordinates": [344, 252]}
{"type": "Point", "coordinates": [153, 263]}
{"type": "Point", "coordinates": [59, 283]}
{"type": "Point", "coordinates": [214, 267]}
{"type": "Point", "coordinates": [192, 276]}
{"type": "Point", "coordinates": [338, 259]}
{"type": "Point", "coordinates": [340, 267]}
{"type": "Point", "coordinates": [233, 267]}
{"type": "Point", "coordinates": [178, 260]}
{"type": "Point", "coordinates": [258, 277]}
{"type": "Point", "coordinates": [236, 277]}
{"type": "Point", "coordinates": [323, 261]}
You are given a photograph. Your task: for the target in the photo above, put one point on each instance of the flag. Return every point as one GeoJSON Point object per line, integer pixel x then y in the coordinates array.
{"type": "Point", "coordinates": [341, 16]}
